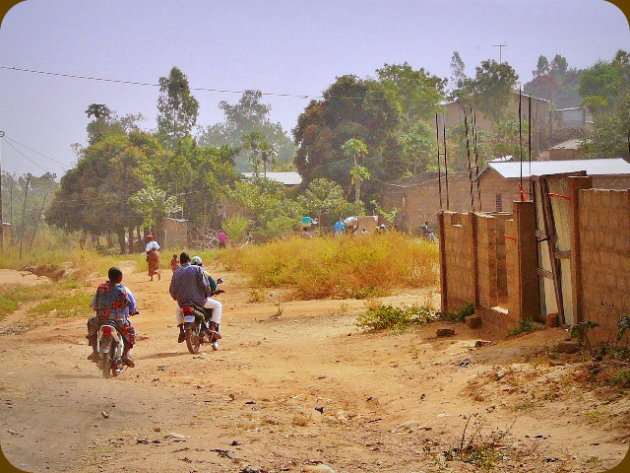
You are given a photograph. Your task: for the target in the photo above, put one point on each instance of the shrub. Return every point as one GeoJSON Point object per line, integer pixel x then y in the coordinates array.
{"type": "Point", "coordinates": [459, 316]}
{"type": "Point", "coordinates": [236, 228]}
{"type": "Point", "coordinates": [524, 326]}
{"type": "Point", "coordinates": [621, 378]}
{"type": "Point", "coordinates": [387, 317]}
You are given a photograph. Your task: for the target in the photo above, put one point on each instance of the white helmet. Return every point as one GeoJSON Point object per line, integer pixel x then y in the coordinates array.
{"type": "Point", "coordinates": [196, 260]}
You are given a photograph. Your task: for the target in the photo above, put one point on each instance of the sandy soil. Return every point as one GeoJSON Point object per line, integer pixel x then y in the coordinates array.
{"type": "Point", "coordinates": [389, 402]}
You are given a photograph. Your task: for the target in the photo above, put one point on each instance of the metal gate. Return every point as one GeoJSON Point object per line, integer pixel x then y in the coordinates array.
{"type": "Point", "coordinates": [554, 246]}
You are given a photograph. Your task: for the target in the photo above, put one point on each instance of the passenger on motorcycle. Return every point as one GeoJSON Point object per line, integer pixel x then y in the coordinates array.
{"type": "Point", "coordinates": [113, 302]}
{"type": "Point", "coordinates": [191, 285]}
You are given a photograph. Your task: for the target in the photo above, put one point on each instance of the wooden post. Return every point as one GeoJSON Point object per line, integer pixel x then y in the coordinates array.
{"type": "Point", "coordinates": [442, 240]}
{"type": "Point", "coordinates": [576, 183]}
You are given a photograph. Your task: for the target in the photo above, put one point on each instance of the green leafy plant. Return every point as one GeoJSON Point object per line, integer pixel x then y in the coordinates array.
{"type": "Point", "coordinates": [459, 316]}
{"type": "Point", "coordinates": [524, 326]}
{"type": "Point", "coordinates": [387, 317]}
{"type": "Point", "coordinates": [580, 331]}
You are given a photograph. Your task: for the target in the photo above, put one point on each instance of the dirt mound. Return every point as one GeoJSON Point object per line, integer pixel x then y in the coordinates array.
{"type": "Point", "coordinates": [51, 271]}
{"type": "Point", "coordinates": [26, 278]}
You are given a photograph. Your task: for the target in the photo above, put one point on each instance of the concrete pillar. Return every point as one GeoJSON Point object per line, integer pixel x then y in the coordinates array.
{"type": "Point", "coordinates": [576, 183]}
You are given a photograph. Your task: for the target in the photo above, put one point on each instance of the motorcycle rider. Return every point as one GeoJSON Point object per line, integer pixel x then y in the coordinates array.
{"type": "Point", "coordinates": [191, 285]}
{"type": "Point", "coordinates": [217, 309]}
{"type": "Point", "coordinates": [113, 302]}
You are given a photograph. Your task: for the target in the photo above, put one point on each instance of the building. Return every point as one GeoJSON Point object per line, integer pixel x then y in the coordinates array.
{"type": "Point", "coordinates": [454, 113]}
{"type": "Point", "coordinates": [418, 198]}
{"type": "Point", "coordinates": [573, 117]}
{"type": "Point", "coordinates": [569, 149]}
{"type": "Point", "coordinates": [288, 178]}
{"type": "Point", "coordinates": [173, 233]}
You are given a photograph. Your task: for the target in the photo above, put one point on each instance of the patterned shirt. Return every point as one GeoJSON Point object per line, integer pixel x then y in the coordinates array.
{"type": "Point", "coordinates": [113, 302]}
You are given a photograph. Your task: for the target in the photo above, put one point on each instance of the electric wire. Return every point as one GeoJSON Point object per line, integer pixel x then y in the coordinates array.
{"type": "Point", "coordinates": [148, 84]}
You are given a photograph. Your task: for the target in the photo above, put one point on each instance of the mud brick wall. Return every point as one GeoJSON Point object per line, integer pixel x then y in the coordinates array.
{"type": "Point", "coordinates": [458, 255]}
{"type": "Point", "coordinates": [604, 232]}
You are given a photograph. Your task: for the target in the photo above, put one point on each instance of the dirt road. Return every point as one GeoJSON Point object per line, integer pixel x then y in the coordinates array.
{"type": "Point", "coordinates": [294, 387]}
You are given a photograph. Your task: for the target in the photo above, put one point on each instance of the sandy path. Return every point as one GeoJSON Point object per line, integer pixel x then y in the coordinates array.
{"type": "Point", "coordinates": [388, 399]}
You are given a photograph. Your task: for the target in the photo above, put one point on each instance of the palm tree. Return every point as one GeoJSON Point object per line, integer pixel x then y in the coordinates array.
{"type": "Point", "coordinates": [268, 154]}
{"type": "Point", "coordinates": [98, 110]}
{"type": "Point", "coordinates": [252, 141]}
{"type": "Point", "coordinates": [356, 149]}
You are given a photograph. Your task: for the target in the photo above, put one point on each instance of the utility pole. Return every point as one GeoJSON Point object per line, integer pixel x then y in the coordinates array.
{"type": "Point", "coordinates": [500, 46]}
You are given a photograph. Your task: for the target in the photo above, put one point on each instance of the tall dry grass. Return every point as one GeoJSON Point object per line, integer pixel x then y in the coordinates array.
{"type": "Point", "coordinates": [347, 266]}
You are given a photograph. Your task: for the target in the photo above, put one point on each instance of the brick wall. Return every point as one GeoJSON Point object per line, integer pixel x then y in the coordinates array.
{"type": "Point", "coordinates": [458, 269]}
{"type": "Point", "coordinates": [604, 236]}
{"type": "Point", "coordinates": [480, 265]}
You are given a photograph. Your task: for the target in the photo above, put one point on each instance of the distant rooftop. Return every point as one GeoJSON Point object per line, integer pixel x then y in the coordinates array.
{"type": "Point", "coordinates": [288, 178]}
{"type": "Point", "coordinates": [569, 144]}
{"type": "Point", "coordinates": [593, 167]}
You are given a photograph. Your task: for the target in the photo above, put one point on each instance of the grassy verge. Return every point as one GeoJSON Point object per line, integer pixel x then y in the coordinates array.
{"type": "Point", "coordinates": [360, 266]}
{"type": "Point", "coordinates": [66, 305]}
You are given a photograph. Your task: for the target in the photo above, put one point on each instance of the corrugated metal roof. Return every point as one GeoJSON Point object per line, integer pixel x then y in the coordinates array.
{"type": "Point", "coordinates": [593, 167]}
{"type": "Point", "coordinates": [288, 178]}
{"type": "Point", "coordinates": [569, 144]}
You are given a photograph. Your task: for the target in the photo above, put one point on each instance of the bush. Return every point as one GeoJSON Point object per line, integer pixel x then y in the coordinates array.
{"type": "Point", "coordinates": [524, 326]}
{"type": "Point", "coordinates": [621, 378]}
{"type": "Point", "coordinates": [342, 267]}
{"type": "Point", "coordinates": [459, 316]}
{"type": "Point", "coordinates": [236, 228]}
{"type": "Point", "coordinates": [387, 317]}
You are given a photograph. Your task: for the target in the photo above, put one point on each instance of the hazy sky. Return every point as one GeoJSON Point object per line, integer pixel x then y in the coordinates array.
{"type": "Point", "coordinates": [281, 46]}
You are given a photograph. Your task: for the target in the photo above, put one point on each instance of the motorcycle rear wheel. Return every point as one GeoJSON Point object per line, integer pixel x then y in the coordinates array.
{"type": "Point", "coordinates": [105, 364]}
{"type": "Point", "coordinates": [193, 342]}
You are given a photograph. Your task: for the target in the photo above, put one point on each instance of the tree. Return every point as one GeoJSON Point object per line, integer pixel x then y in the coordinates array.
{"type": "Point", "coordinates": [178, 109]}
{"type": "Point", "coordinates": [494, 88]}
{"type": "Point", "coordinates": [323, 197]}
{"type": "Point", "coordinates": [605, 88]}
{"type": "Point", "coordinates": [268, 154]}
{"type": "Point", "coordinates": [108, 123]}
{"type": "Point", "coordinates": [417, 94]}
{"type": "Point", "coordinates": [556, 82]}
{"type": "Point", "coordinates": [418, 146]}
{"type": "Point", "coordinates": [357, 149]}
{"type": "Point", "coordinates": [458, 73]}
{"type": "Point", "coordinates": [350, 108]}
{"type": "Point", "coordinates": [94, 195]}
{"type": "Point", "coordinates": [542, 66]}
{"type": "Point", "coordinates": [252, 141]}
{"type": "Point", "coordinates": [559, 65]}
{"type": "Point", "coordinates": [248, 115]}
{"type": "Point", "coordinates": [153, 205]}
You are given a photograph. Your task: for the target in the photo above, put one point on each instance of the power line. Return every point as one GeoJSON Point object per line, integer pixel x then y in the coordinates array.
{"type": "Point", "coordinates": [25, 157]}
{"type": "Point", "coordinates": [38, 152]}
{"type": "Point", "coordinates": [150, 84]}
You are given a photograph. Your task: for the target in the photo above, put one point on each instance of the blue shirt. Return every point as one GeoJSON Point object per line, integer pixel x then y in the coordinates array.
{"type": "Point", "coordinates": [190, 284]}
{"type": "Point", "coordinates": [339, 226]}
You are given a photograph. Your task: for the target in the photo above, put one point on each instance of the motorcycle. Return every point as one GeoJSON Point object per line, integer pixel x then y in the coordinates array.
{"type": "Point", "coordinates": [195, 326]}
{"type": "Point", "coordinates": [109, 346]}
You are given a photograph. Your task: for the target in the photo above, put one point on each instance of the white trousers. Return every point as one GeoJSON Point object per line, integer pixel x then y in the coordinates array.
{"type": "Point", "coordinates": [209, 304]}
